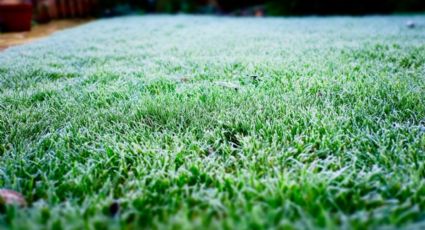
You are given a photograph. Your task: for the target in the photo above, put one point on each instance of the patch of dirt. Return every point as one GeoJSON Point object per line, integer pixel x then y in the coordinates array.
{"type": "Point", "coordinates": [37, 32]}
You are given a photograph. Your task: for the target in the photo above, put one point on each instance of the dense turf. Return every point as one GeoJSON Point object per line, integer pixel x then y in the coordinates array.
{"type": "Point", "coordinates": [217, 122]}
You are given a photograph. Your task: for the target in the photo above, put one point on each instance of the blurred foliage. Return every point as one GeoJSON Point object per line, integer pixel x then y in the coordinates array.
{"type": "Point", "coordinates": [273, 7]}
{"type": "Point", "coordinates": [354, 7]}
{"type": "Point", "coordinates": [172, 6]}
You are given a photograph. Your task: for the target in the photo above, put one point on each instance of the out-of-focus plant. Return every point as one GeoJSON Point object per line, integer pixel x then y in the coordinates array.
{"type": "Point", "coordinates": [355, 7]}
{"type": "Point", "coordinates": [273, 7]}
{"type": "Point", "coordinates": [173, 6]}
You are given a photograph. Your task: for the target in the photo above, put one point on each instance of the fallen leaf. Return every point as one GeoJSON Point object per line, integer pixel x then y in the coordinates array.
{"type": "Point", "coordinates": [184, 79]}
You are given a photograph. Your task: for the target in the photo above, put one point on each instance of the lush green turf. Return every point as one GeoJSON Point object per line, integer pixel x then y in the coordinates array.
{"type": "Point", "coordinates": [192, 122]}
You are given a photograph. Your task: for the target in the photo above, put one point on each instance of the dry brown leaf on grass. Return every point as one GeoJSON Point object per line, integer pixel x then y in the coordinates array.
{"type": "Point", "coordinates": [184, 79]}
{"type": "Point", "coordinates": [10, 197]}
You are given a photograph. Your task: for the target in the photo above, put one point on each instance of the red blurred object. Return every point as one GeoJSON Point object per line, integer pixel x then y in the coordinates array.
{"type": "Point", "coordinates": [15, 15]}
{"type": "Point", "coordinates": [72, 8]}
{"type": "Point", "coordinates": [62, 6]}
{"type": "Point", "coordinates": [79, 7]}
{"type": "Point", "coordinates": [46, 10]}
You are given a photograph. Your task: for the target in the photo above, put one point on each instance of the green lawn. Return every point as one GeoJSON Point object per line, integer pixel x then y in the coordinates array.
{"type": "Point", "coordinates": [202, 122]}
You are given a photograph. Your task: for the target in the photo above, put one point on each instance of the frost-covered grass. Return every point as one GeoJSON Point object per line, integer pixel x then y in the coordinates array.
{"type": "Point", "coordinates": [202, 122]}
